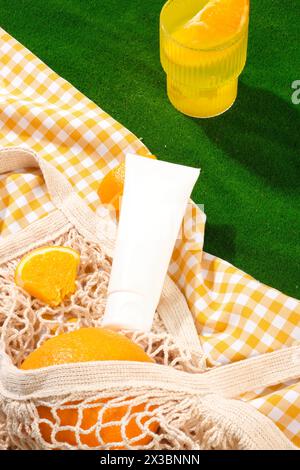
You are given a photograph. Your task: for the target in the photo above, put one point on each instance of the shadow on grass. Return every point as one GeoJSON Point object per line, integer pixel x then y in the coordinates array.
{"type": "Point", "coordinates": [220, 241]}
{"type": "Point", "coordinates": [261, 132]}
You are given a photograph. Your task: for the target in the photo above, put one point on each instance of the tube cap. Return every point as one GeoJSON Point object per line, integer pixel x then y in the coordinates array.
{"type": "Point", "coordinates": [126, 310]}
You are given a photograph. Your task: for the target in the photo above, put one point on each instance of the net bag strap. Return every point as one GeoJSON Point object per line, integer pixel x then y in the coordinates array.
{"type": "Point", "coordinates": [177, 317]}
{"type": "Point", "coordinates": [12, 159]}
{"type": "Point", "coordinates": [229, 381]}
{"type": "Point", "coordinates": [64, 198]}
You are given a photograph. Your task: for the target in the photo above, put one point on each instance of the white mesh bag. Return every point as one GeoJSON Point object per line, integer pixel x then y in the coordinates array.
{"type": "Point", "coordinates": [174, 403]}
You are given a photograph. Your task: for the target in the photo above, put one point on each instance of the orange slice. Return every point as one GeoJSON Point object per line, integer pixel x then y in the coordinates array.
{"type": "Point", "coordinates": [111, 187]}
{"type": "Point", "coordinates": [48, 273]}
{"type": "Point", "coordinates": [216, 23]}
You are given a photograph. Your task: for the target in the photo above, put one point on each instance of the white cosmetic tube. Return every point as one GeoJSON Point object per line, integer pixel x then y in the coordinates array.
{"type": "Point", "coordinates": [155, 198]}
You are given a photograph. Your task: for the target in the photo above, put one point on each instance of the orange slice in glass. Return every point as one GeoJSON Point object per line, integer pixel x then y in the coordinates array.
{"type": "Point", "coordinates": [215, 24]}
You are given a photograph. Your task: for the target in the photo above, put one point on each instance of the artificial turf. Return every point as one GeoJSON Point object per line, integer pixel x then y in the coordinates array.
{"type": "Point", "coordinates": [250, 156]}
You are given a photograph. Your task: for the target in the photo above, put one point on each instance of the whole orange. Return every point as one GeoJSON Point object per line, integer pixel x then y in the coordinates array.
{"type": "Point", "coordinates": [83, 345]}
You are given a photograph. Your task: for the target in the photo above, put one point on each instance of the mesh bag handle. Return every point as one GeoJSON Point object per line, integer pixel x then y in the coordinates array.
{"type": "Point", "coordinates": [72, 209]}
{"type": "Point", "coordinates": [228, 381]}
{"type": "Point", "coordinates": [177, 317]}
{"type": "Point", "coordinates": [12, 159]}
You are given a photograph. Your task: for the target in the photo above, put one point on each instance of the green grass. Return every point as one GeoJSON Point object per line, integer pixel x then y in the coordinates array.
{"type": "Point", "coordinates": [249, 156]}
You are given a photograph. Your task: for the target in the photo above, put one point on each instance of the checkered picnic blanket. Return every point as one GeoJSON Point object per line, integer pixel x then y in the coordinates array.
{"type": "Point", "coordinates": [237, 316]}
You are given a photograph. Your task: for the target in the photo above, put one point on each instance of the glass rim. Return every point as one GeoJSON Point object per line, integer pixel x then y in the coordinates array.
{"type": "Point", "coordinates": [219, 47]}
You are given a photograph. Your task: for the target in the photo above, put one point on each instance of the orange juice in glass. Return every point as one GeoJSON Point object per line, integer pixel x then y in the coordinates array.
{"type": "Point", "coordinates": [203, 51]}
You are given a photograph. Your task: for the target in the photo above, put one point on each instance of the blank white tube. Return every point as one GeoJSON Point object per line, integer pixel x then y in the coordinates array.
{"type": "Point", "coordinates": [155, 198]}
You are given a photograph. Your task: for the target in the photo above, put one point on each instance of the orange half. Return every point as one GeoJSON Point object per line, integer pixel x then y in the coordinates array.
{"type": "Point", "coordinates": [48, 273]}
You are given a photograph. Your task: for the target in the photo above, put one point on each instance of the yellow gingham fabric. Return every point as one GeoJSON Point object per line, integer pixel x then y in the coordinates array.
{"type": "Point", "coordinates": [237, 317]}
